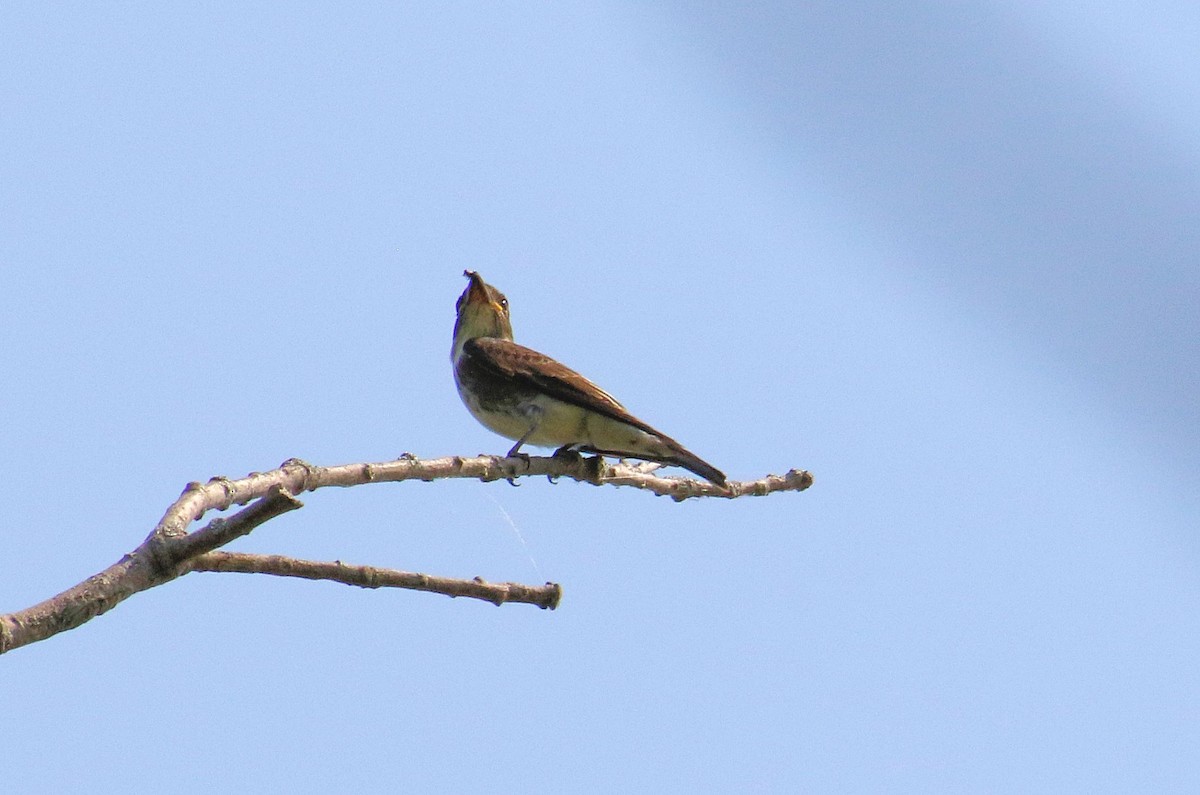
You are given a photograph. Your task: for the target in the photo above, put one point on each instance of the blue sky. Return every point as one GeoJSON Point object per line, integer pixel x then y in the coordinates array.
{"type": "Point", "coordinates": [942, 255]}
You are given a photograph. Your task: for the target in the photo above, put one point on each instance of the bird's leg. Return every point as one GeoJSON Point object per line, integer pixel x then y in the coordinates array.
{"type": "Point", "coordinates": [516, 448]}
{"type": "Point", "coordinates": [534, 415]}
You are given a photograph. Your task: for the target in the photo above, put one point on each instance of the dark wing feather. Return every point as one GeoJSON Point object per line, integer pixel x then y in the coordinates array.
{"type": "Point", "coordinates": [539, 372]}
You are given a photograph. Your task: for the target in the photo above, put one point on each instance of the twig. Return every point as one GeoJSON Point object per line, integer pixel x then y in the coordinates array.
{"type": "Point", "coordinates": [545, 596]}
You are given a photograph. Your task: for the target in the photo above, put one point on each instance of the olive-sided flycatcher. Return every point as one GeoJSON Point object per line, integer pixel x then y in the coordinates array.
{"type": "Point", "coordinates": [525, 395]}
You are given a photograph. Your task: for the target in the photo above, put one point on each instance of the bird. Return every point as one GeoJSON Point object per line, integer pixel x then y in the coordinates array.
{"type": "Point", "coordinates": [527, 396]}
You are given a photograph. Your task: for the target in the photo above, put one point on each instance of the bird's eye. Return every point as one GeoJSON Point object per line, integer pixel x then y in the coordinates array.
{"type": "Point", "coordinates": [503, 302]}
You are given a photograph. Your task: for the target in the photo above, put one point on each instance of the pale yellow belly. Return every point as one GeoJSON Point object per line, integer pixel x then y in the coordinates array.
{"type": "Point", "coordinates": [560, 424]}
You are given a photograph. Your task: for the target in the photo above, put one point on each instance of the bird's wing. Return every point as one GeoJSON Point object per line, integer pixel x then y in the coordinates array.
{"type": "Point", "coordinates": [538, 371]}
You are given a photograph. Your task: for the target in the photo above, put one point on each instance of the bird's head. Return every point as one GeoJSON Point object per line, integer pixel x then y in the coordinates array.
{"type": "Point", "coordinates": [482, 312]}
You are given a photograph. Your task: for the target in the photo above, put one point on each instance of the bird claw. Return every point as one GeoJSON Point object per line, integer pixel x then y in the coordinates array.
{"type": "Point", "coordinates": [567, 452]}
{"type": "Point", "coordinates": [524, 457]}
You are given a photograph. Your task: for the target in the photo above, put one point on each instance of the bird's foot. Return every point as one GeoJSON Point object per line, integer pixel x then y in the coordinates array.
{"type": "Point", "coordinates": [567, 452]}
{"type": "Point", "coordinates": [514, 453]}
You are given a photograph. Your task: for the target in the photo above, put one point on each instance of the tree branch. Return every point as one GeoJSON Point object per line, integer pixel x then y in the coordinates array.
{"type": "Point", "coordinates": [171, 551]}
{"type": "Point", "coordinates": [545, 596]}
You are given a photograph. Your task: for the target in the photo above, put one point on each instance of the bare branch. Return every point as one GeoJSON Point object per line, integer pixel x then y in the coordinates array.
{"type": "Point", "coordinates": [297, 477]}
{"type": "Point", "coordinates": [153, 563]}
{"type": "Point", "coordinates": [545, 596]}
{"type": "Point", "coordinates": [171, 551]}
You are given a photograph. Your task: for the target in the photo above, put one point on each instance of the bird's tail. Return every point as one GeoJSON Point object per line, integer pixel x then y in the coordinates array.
{"type": "Point", "coordinates": [693, 462]}
{"type": "Point", "coordinates": [677, 455]}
